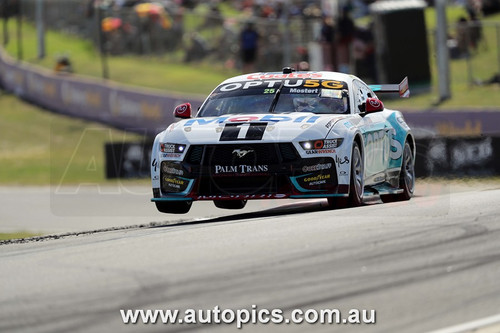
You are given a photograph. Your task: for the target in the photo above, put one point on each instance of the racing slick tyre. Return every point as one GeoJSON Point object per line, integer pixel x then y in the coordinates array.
{"type": "Point", "coordinates": [356, 185]}
{"type": "Point", "coordinates": [406, 178]}
{"type": "Point", "coordinates": [230, 204]}
{"type": "Point", "coordinates": [173, 207]}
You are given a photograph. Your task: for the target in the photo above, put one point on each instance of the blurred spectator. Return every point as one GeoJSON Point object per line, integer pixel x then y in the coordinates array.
{"type": "Point", "coordinates": [346, 35]}
{"type": "Point", "coordinates": [197, 49]}
{"type": "Point", "coordinates": [249, 39]}
{"type": "Point", "coordinates": [304, 66]}
{"type": "Point", "coordinates": [462, 37]}
{"type": "Point", "coordinates": [363, 50]}
{"type": "Point", "coordinates": [475, 30]}
{"type": "Point", "coordinates": [213, 19]}
{"type": "Point", "coordinates": [327, 40]}
{"type": "Point", "coordinates": [63, 65]}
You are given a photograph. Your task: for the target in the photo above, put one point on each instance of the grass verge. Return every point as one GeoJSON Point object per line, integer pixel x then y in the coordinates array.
{"type": "Point", "coordinates": [17, 235]}
{"type": "Point", "coordinates": [39, 147]}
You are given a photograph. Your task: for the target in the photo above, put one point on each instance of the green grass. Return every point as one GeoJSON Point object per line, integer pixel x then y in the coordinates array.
{"type": "Point", "coordinates": [39, 148]}
{"type": "Point", "coordinates": [17, 235]}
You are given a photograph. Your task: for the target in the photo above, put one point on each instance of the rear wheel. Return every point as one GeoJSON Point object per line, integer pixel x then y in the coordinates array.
{"type": "Point", "coordinates": [406, 178]}
{"type": "Point", "coordinates": [230, 204]}
{"type": "Point", "coordinates": [173, 207]}
{"type": "Point", "coordinates": [356, 184]}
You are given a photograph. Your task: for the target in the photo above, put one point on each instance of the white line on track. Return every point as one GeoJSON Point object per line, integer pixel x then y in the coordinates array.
{"type": "Point", "coordinates": [471, 326]}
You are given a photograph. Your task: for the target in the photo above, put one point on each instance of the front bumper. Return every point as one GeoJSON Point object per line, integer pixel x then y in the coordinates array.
{"type": "Point", "coordinates": [247, 171]}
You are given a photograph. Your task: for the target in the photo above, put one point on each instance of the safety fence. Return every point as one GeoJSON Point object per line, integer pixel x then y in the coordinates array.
{"type": "Point", "coordinates": [133, 109]}
{"type": "Point", "coordinates": [474, 50]}
{"type": "Point", "coordinates": [188, 34]}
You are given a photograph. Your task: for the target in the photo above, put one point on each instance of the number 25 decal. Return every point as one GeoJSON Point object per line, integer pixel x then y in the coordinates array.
{"type": "Point", "coordinates": [244, 131]}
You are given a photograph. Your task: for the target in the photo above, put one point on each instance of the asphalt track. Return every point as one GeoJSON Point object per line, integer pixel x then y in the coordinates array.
{"type": "Point", "coordinates": [423, 265]}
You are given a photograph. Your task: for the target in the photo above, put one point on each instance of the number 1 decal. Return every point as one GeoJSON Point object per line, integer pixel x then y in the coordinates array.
{"type": "Point", "coordinates": [244, 131]}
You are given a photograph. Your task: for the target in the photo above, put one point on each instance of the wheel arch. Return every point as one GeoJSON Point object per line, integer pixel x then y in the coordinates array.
{"type": "Point", "coordinates": [358, 138]}
{"type": "Point", "coordinates": [411, 141]}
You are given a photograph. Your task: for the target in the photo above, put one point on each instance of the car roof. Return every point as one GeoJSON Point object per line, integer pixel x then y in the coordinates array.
{"type": "Point", "coordinates": [324, 75]}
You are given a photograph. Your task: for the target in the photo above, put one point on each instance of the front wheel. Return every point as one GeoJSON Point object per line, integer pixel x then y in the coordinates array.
{"type": "Point", "coordinates": [356, 184]}
{"type": "Point", "coordinates": [173, 207]}
{"type": "Point", "coordinates": [356, 187]}
{"type": "Point", "coordinates": [406, 178]}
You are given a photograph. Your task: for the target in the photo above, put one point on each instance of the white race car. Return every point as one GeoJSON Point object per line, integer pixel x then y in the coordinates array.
{"type": "Point", "coordinates": [285, 135]}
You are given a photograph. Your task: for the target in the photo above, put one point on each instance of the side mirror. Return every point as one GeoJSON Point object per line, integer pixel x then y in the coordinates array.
{"type": "Point", "coordinates": [183, 111]}
{"type": "Point", "coordinates": [374, 105]}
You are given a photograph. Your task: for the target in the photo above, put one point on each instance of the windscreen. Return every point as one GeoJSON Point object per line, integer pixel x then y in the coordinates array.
{"type": "Point", "coordinates": [278, 96]}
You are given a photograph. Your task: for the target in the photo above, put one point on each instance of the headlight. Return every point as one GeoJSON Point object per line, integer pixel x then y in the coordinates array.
{"type": "Point", "coordinates": [321, 144]}
{"type": "Point", "coordinates": [172, 148]}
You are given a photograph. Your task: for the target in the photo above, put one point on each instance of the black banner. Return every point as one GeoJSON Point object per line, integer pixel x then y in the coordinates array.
{"type": "Point", "coordinates": [128, 160]}
{"type": "Point", "coordinates": [458, 157]}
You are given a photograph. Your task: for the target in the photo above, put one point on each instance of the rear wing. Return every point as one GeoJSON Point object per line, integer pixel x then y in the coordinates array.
{"type": "Point", "coordinates": [403, 88]}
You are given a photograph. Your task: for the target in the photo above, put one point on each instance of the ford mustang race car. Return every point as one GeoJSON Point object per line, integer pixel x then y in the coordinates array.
{"type": "Point", "coordinates": [285, 135]}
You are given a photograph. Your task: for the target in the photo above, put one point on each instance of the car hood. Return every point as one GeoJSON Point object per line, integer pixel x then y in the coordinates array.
{"type": "Point", "coordinates": [276, 127]}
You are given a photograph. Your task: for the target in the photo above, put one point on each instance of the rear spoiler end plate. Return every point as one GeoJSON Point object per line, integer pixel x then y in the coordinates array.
{"type": "Point", "coordinates": [403, 88]}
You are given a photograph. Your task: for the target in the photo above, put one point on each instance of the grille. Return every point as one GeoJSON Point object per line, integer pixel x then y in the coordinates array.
{"type": "Point", "coordinates": [242, 168]}
{"type": "Point", "coordinates": [288, 152]}
{"type": "Point", "coordinates": [241, 154]}
{"type": "Point", "coordinates": [194, 154]}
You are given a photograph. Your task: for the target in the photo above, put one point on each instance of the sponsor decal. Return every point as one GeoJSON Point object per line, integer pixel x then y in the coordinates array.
{"type": "Point", "coordinates": [170, 155]}
{"type": "Point", "coordinates": [174, 184]}
{"type": "Point", "coordinates": [329, 144]}
{"type": "Point", "coordinates": [242, 119]}
{"type": "Point", "coordinates": [374, 102]}
{"type": "Point", "coordinates": [173, 171]}
{"type": "Point", "coordinates": [172, 180]}
{"type": "Point", "coordinates": [241, 169]}
{"type": "Point", "coordinates": [317, 167]}
{"type": "Point", "coordinates": [266, 118]}
{"type": "Point", "coordinates": [269, 85]}
{"type": "Point", "coordinates": [317, 176]}
{"type": "Point", "coordinates": [284, 76]}
{"type": "Point", "coordinates": [318, 179]}
{"type": "Point", "coordinates": [182, 109]}
{"type": "Point", "coordinates": [304, 91]}
{"type": "Point", "coordinates": [242, 196]}
{"type": "Point", "coordinates": [320, 151]}
{"type": "Point", "coordinates": [167, 147]}
{"type": "Point", "coordinates": [341, 161]}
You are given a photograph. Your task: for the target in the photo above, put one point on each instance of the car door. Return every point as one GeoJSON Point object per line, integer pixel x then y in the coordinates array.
{"type": "Point", "coordinates": [376, 136]}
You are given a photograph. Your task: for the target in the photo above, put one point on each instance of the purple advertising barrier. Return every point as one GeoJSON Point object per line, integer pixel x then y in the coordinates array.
{"type": "Point", "coordinates": [454, 123]}
{"type": "Point", "coordinates": [131, 108]}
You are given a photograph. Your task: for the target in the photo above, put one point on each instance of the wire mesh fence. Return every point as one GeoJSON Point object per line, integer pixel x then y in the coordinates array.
{"type": "Point", "coordinates": [154, 29]}
{"type": "Point", "coordinates": [189, 35]}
